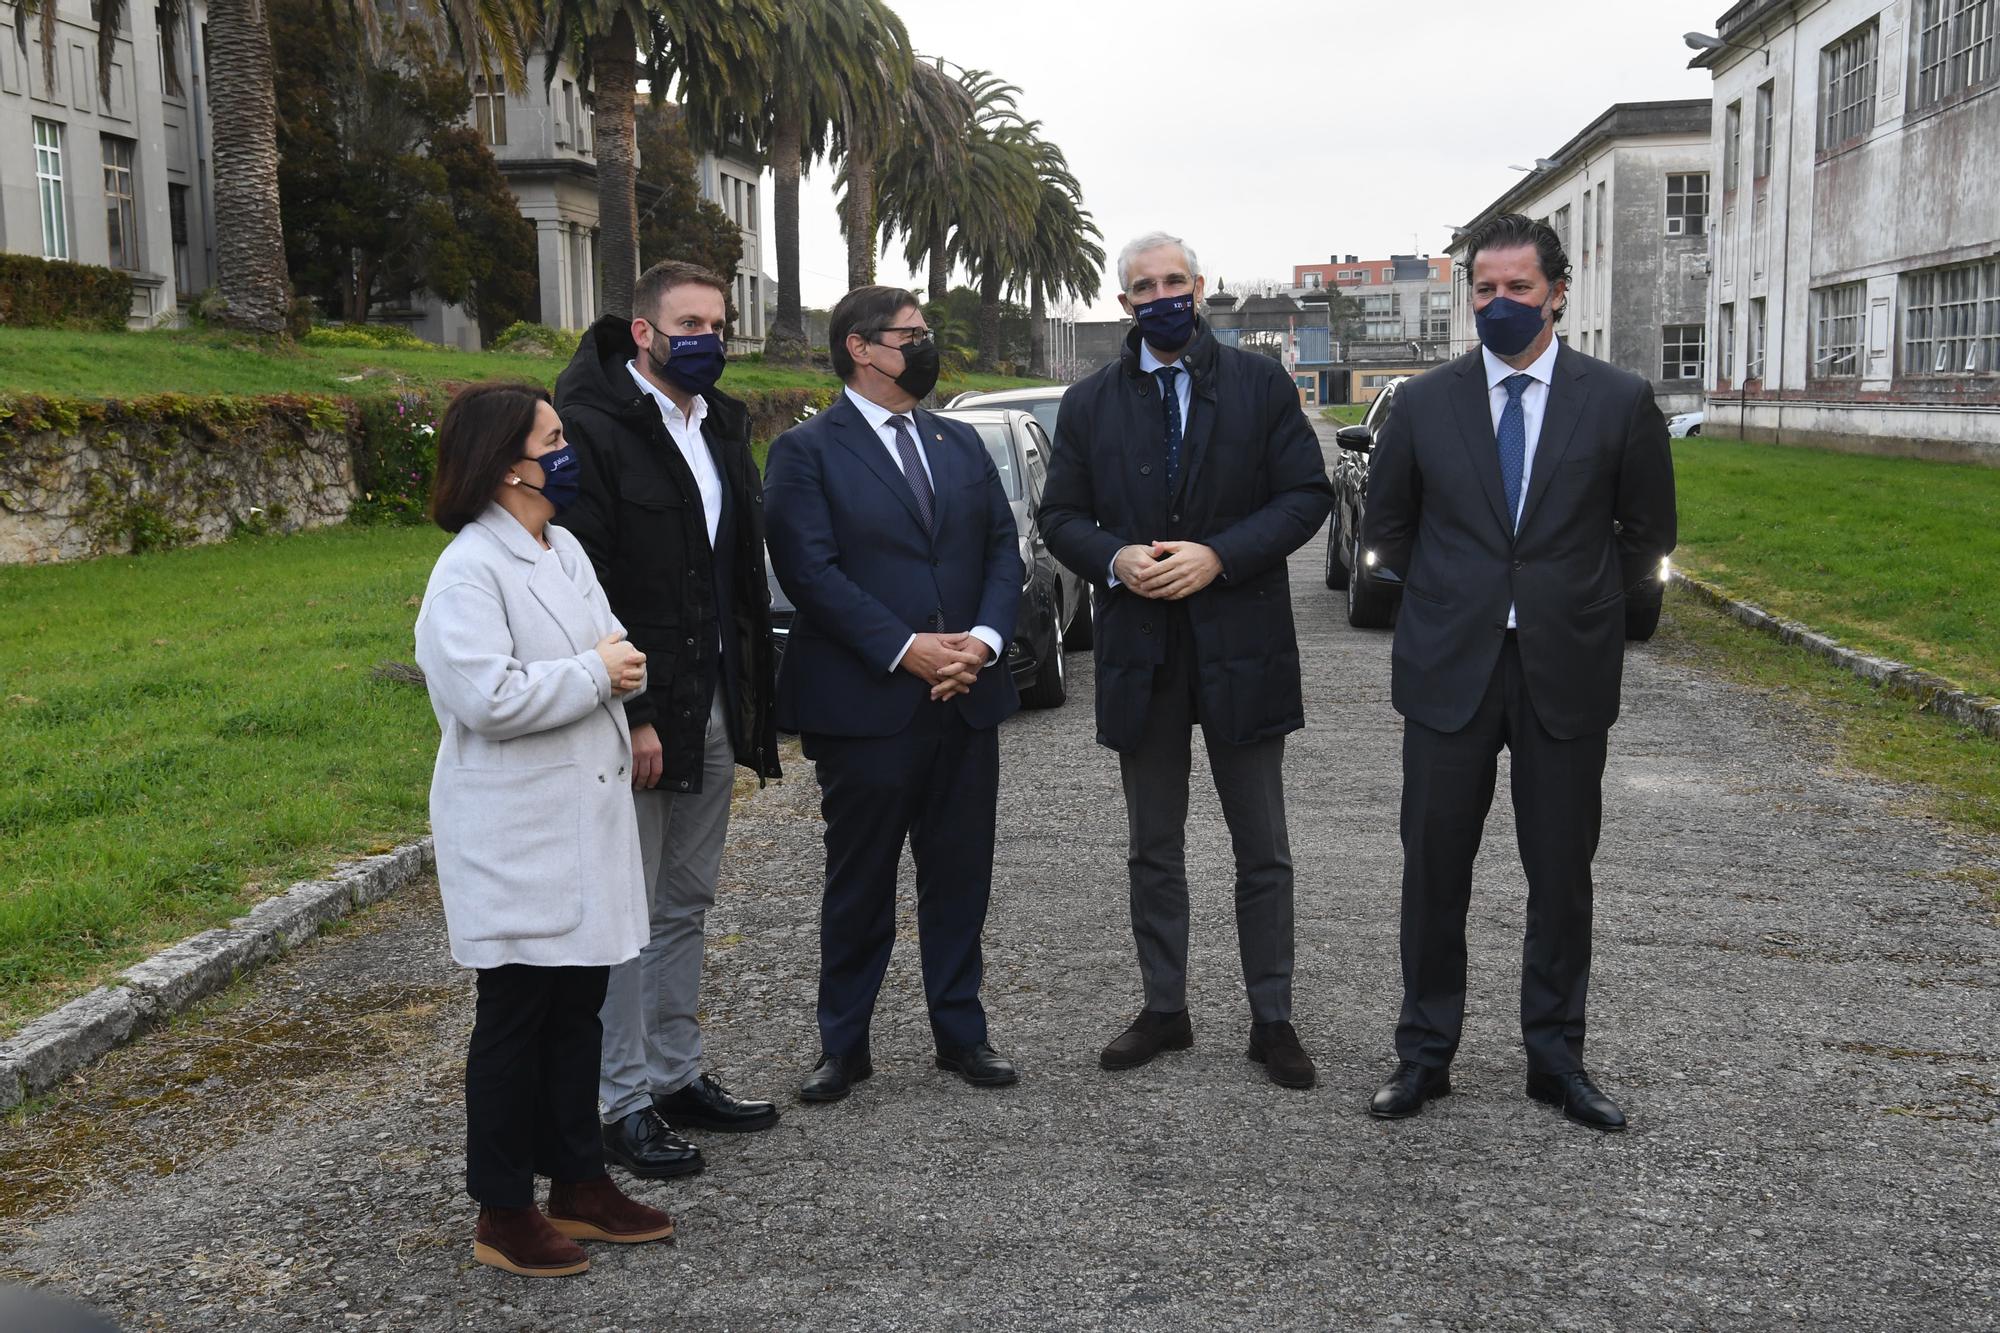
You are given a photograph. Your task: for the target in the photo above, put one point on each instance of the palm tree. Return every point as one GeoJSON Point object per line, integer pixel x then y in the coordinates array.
{"type": "Point", "coordinates": [994, 236]}
{"type": "Point", "coordinates": [1064, 258]}
{"type": "Point", "coordinates": [927, 120]}
{"type": "Point", "coordinates": [253, 288]}
{"type": "Point", "coordinates": [923, 199]}
{"type": "Point", "coordinates": [824, 71]}
{"type": "Point", "coordinates": [707, 40]}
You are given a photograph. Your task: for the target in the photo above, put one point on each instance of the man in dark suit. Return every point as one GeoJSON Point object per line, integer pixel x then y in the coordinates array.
{"type": "Point", "coordinates": [1520, 490]}
{"type": "Point", "coordinates": [893, 537]}
{"type": "Point", "coordinates": [1182, 477]}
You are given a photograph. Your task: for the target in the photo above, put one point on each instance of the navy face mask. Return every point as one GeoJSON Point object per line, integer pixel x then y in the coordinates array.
{"type": "Point", "coordinates": [694, 360]}
{"type": "Point", "coordinates": [1507, 327]}
{"type": "Point", "coordinates": [561, 477]}
{"type": "Point", "coordinates": [1167, 323]}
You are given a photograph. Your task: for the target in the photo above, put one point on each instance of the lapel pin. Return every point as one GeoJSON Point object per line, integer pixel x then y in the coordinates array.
{"type": "Point", "coordinates": [940, 435]}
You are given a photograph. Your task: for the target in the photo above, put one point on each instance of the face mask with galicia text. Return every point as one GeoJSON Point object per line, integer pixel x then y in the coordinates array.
{"type": "Point", "coordinates": [1168, 322]}
{"type": "Point", "coordinates": [694, 361]}
{"type": "Point", "coordinates": [561, 477]}
{"type": "Point", "coordinates": [1508, 327]}
{"type": "Point", "coordinates": [920, 368]}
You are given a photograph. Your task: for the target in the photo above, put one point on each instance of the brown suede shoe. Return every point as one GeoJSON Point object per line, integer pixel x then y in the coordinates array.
{"type": "Point", "coordinates": [520, 1240]}
{"type": "Point", "coordinates": [599, 1210]}
{"type": "Point", "coordinates": [1276, 1047]}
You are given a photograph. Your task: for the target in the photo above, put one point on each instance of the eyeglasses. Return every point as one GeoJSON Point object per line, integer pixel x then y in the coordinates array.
{"type": "Point", "coordinates": [917, 333]}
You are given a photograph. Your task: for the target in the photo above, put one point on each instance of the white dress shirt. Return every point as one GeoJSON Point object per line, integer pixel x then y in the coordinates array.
{"type": "Point", "coordinates": [1534, 403]}
{"type": "Point", "coordinates": [1184, 393]}
{"type": "Point", "coordinates": [685, 428]}
{"type": "Point", "coordinates": [878, 417]}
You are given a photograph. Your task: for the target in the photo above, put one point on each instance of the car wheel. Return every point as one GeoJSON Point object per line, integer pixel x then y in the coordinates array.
{"type": "Point", "coordinates": [1336, 570]}
{"type": "Point", "coordinates": [1051, 685]}
{"type": "Point", "coordinates": [1370, 604]}
{"type": "Point", "coordinates": [1083, 630]}
{"type": "Point", "coordinates": [1693, 431]}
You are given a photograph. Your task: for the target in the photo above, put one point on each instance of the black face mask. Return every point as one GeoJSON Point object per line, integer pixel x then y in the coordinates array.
{"type": "Point", "coordinates": [920, 368]}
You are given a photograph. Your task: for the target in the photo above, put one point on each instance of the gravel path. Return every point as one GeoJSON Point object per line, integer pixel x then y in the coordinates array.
{"type": "Point", "coordinates": [1796, 997]}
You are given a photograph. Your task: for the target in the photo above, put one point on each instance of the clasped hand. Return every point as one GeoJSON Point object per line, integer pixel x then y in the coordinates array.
{"type": "Point", "coordinates": [1167, 571]}
{"type": "Point", "coordinates": [625, 664]}
{"type": "Point", "coordinates": [948, 663]}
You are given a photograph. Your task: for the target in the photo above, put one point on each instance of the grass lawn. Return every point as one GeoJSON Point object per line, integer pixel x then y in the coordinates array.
{"type": "Point", "coordinates": [1894, 556]}
{"type": "Point", "coordinates": [188, 732]}
{"type": "Point", "coordinates": [125, 365]}
{"type": "Point", "coordinates": [1345, 414]}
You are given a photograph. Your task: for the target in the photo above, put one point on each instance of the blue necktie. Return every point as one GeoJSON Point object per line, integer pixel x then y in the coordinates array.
{"type": "Point", "coordinates": [913, 468]}
{"type": "Point", "coordinates": [1513, 439]}
{"type": "Point", "coordinates": [1171, 401]}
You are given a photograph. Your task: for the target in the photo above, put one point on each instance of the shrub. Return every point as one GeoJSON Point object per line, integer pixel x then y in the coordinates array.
{"type": "Point", "coordinates": [56, 294]}
{"type": "Point", "coordinates": [367, 335]}
{"type": "Point", "coordinates": [395, 457]}
{"type": "Point", "coordinates": [525, 339]}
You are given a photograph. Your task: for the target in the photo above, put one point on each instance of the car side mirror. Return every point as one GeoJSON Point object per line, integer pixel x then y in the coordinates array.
{"type": "Point", "coordinates": [1358, 438]}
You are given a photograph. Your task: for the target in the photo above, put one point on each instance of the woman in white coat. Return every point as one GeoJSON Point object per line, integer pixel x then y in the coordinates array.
{"type": "Point", "coordinates": [531, 810]}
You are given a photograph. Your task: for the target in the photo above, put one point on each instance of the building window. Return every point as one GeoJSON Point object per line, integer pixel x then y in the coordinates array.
{"type": "Point", "coordinates": [121, 222]}
{"type": "Point", "coordinates": [1732, 146]}
{"type": "Point", "coordinates": [1847, 88]}
{"type": "Point", "coordinates": [1837, 330]}
{"type": "Point", "coordinates": [49, 183]}
{"type": "Point", "coordinates": [1687, 204]}
{"type": "Point", "coordinates": [1680, 351]}
{"type": "Point", "coordinates": [177, 224]}
{"type": "Point", "coordinates": [1603, 189]}
{"type": "Point", "coordinates": [489, 109]}
{"type": "Point", "coordinates": [1956, 47]}
{"type": "Point", "coordinates": [1951, 320]}
{"type": "Point", "coordinates": [166, 37]}
{"type": "Point", "coordinates": [1760, 157]}
{"type": "Point", "coordinates": [1725, 329]}
{"type": "Point", "coordinates": [1753, 367]}
{"type": "Point", "coordinates": [1560, 221]}
{"type": "Point", "coordinates": [566, 122]}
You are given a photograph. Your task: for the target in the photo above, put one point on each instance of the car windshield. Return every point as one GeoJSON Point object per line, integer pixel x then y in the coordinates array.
{"type": "Point", "coordinates": [993, 434]}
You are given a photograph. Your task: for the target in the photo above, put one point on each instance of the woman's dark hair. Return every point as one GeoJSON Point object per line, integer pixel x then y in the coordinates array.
{"type": "Point", "coordinates": [866, 311]}
{"type": "Point", "coordinates": [483, 431]}
{"type": "Point", "coordinates": [1509, 230]}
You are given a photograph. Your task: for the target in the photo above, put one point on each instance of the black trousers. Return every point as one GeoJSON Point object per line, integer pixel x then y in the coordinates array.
{"type": "Point", "coordinates": [1448, 782]}
{"type": "Point", "coordinates": [936, 783]}
{"type": "Point", "coordinates": [531, 1081]}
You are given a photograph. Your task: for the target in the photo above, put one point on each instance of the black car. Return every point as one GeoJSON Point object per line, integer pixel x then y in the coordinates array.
{"type": "Point", "coordinates": [1374, 594]}
{"type": "Point", "coordinates": [1055, 612]}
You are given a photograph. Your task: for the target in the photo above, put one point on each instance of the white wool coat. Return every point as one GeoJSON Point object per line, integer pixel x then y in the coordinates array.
{"type": "Point", "coordinates": [531, 799]}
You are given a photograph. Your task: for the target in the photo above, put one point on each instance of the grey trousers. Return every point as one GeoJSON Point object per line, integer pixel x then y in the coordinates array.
{"type": "Point", "coordinates": [652, 1042]}
{"type": "Point", "coordinates": [1249, 780]}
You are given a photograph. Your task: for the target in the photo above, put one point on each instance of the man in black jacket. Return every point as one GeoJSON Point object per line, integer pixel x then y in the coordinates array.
{"type": "Point", "coordinates": [1520, 491]}
{"type": "Point", "coordinates": [1181, 479]}
{"type": "Point", "coordinates": [672, 513]}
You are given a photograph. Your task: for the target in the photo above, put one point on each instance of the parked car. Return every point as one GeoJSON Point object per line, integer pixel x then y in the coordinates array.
{"type": "Point", "coordinates": [1056, 611]}
{"type": "Point", "coordinates": [1685, 424]}
{"type": "Point", "coordinates": [1043, 402]}
{"type": "Point", "coordinates": [1374, 593]}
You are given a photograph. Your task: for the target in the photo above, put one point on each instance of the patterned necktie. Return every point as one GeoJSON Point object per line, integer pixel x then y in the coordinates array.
{"type": "Point", "coordinates": [1513, 440]}
{"type": "Point", "coordinates": [1171, 402]}
{"type": "Point", "coordinates": [913, 468]}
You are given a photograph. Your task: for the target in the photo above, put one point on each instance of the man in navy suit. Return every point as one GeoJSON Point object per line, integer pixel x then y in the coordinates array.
{"type": "Point", "coordinates": [890, 532]}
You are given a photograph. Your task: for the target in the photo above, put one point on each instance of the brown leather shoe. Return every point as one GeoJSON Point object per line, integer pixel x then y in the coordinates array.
{"type": "Point", "coordinates": [1151, 1032]}
{"type": "Point", "coordinates": [1276, 1047]}
{"type": "Point", "coordinates": [520, 1240]}
{"type": "Point", "coordinates": [599, 1210]}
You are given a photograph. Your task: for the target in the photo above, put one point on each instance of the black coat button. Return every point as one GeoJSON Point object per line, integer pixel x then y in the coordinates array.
{"type": "Point", "coordinates": [1145, 627]}
{"type": "Point", "coordinates": [1520, 564]}
{"type": "Point", "coordinates": [1145, 469]}
{"type": "Point", "coordinates": [1173, 518]}
{"type": "Point", "coordinates": [684, 785]}
{"type": "Point", "coordinates": [690, 643]}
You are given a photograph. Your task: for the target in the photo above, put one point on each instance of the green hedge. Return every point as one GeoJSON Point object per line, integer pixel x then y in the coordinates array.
{"type": "Point", "coordinates": [56, 294]}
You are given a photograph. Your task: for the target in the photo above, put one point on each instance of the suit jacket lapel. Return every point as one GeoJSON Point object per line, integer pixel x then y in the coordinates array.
{"type": "Point", "coordinates": [1472, 405]}
{"type": "Point", "coordinates": [859, 438]}
{"type": "Point", "coordinates": [547, 579]}
{"type": "Point", "coordinates": [1568, 392]}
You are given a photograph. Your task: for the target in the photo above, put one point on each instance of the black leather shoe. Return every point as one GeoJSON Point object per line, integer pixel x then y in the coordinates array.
{"type": "Point", "coordinates": [1276, 1047]}
{"type": "Point", "coordinates": [834, 1077]}
{"type": "Point", "coordinates": [1408, 1089]}
{"type": "Point", "coordinates": [643, 1145]}
{"type": "Point", "coordinates": [706, 1104]}
{"type": "Point", "coordinates": [979, 1065]}
{"type": "Point", "coordinates": [1580, 1099]}
{"type": "Point", "coordinates": [1151, 1032]}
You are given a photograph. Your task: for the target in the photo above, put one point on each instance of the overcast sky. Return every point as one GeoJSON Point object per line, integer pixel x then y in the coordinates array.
{"type": "Point", "coordinates": [1277, 132]}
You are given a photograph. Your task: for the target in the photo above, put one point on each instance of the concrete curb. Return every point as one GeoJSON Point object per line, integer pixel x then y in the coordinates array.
{"type": "Point", "coordinates": [1934, 693]}
{"type": "Point", "coordinates": [59, 1044]}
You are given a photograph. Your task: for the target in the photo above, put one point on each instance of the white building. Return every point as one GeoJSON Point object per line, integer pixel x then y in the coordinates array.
{"type": "Point", "coordinates": [1629, 196]}
{"type": "Point", "coordinates": [736, 186]}
{"type": "Point", "coordinates": [122, 180]}
{"type": "Point", "coordinates": [1857, 247]}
